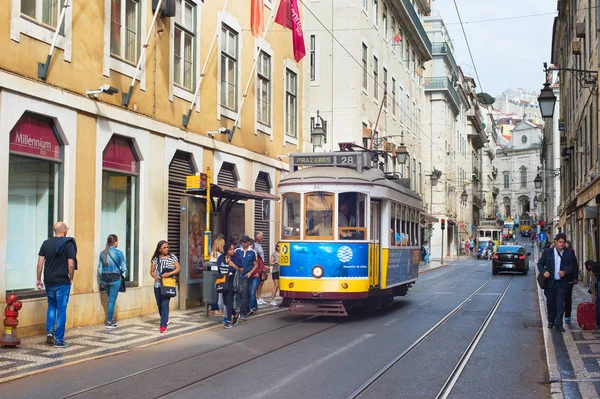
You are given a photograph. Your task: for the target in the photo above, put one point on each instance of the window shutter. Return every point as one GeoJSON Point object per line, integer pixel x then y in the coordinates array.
{"type": "Point", "coordinates": [180, 167]}
{"type": "Point", "coordinates": [262, 185]}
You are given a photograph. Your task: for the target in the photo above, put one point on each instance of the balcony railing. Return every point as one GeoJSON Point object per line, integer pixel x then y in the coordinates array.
{"type": "Point", "coordinates": [415, 18]}
{"type": "Point", "coordinates": [443, 83]}
{"type": "Point", "coordinates": [444, 48]}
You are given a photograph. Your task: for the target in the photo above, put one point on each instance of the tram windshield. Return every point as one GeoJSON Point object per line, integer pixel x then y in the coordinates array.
{"type": "Point", "coordinates": [319, 215]}
{"type": "Point", "coordinates": [351, 216]}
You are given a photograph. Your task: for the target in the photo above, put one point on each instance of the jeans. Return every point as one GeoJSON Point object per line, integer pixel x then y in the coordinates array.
{"type": "Point", "coordinates": [163, 306]}
{"type": "Point", "coordinates": [254, 283]}
{"type": "Point", "coordinates": [427, 259]}
{"type": "Point", "coordinates": [245, 307]}
{"type": "Point", "coordinates": [112, 291]}
{"type": "Point", "coordinates": [58, 298]}
{"type": "Point", "coordinates": [230, 310]}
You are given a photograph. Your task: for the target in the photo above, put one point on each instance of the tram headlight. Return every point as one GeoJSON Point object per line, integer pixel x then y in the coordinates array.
{"type": "Point", "coordinates": [291, 285]}
{"type": "Point", "coordinates": [345, 286]}
{"type": "Point", "coordinates": [318, 272]}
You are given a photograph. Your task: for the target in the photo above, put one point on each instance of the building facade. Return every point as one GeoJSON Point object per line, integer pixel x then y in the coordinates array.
{"type": "Point", "coordinates": [117, 164]}
{"type": "Point", "coordinates": [575, 46]}
{"type": "Point", "coordinates": [520, 102]}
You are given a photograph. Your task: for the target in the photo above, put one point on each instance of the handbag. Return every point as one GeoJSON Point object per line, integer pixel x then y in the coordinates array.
{"type": "Point", "coordinates": [237, 282]}
{"type": "Point", "coordinates": [122, 286]}
{"type": "Point", "coordinates": [221, 282]}
{"type": "Point", "coordinates": [167, 287]}
{"type": "Point", "coordinates": [260, 268]}
{"type": "Point", "coordinates": [542, 281]}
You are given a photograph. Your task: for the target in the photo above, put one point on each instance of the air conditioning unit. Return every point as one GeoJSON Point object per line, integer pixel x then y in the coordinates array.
{"type": "Point", "coordinates": [576, 46]}
{"type": "Point", "coordinates": [580, 30]}
{"type": "Point", "coordinates": [388, 147]}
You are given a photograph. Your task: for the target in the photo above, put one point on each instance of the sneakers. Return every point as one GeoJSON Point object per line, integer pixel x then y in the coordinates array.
{"type": "Point", "coordinates": [227, 325]}
{"type": "Point", "coordinates": [62, 344]}
{"type": "Point", "coordinates": [236, 320]}
{"type": "Point", "coordinates": [168, 321]}
{"type": "Point", "coordinates": [261, 301]}
{"type": "Point", "coordinates": [568, 320]}
{"type": "Point", "coordinates": [273, 303]}
{"type": "Point", "coordinates": [163, 329]}
{"type": "Point", "coordinates": [50, 339]}
{"type": "Point", "coordinates": [111, 324]}
{"type": "Point", "coordinates": [243, 317]}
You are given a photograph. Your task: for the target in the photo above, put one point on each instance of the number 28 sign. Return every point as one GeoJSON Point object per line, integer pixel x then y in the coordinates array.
{"type": "Point", "coordinates": [284, 254]}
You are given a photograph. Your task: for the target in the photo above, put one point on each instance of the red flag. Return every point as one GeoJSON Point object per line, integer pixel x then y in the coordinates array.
{"type": "Point", "coordinates": [397, 38]}
{"type": "Point", "coordinates": [289, 17]}
{"type": "Point", "coordinates": [257, 17]}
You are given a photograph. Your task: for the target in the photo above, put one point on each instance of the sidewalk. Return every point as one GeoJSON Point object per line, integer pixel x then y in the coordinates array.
{"type": "Point", "coordinates": [92, 342]}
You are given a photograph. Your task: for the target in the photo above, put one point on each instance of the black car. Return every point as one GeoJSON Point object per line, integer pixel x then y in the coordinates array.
{"type": "Point", "coordinates": [510, 258]}
{"type": "Point", "coordinates": [526, 233]}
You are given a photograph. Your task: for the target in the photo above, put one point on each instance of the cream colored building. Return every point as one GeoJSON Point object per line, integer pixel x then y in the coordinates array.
{"type": "Point", "coordinates": [103, 167]}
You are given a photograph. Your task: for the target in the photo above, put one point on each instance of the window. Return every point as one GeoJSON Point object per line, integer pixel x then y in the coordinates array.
{"type": "Point", "coordinates": [375, 77]}
{"type": "Point", "coordinates": [34, 197]}
{"type": "Point", "coordinates": [385, 92]}
{"type": "Point", "coordinates": [364, 5]}
{"type": "Point", "coordinates": [365, 72]}
{"type": "Point", "coordinates": [351, 216]}
{"type": "Point", "coordinates": [229, 68]}
{"type": "Point", "coordinates": [384, 21]}
{"type": "Point", "coordinates": [400, 43]}
{"type": "Point", "coordinates": [419, 121]}
{"type": "Point", "coordinates": [120, 198]}
{"type": "Point", "coordinates": [291, 104]}
{"type": "Point", "coordinates": [506, 181]}
{"type": "Point", "coordinates": [400, 102]}
{"type": "Point", "coordinates": [125, 24]}
{"type": "Point", "coordinates": [393, 96]}
{"type": "Point", "coordinates": [407, 111]}
{"type": "Point", "coordinates": [524, 139]}
{"type": "Point", "coordinates": [375, 12]}
{"type": "Point", "coordinates": [319, 215]}
{"type": "Point", "coordinates": [313, 58]}
{"type": "Point", "coordinates": [407, 54]}
{"type": "Point", "coordinates": [263, 89]}
{"type": "Point", "coordinates": [45, 11]}
{"type": "Point", "coordinates": [184, 45]}
{"type": "Point", "coordinates": [420, 179]}
{"type": "Point", "coordinates": [414, 64]}
{"type": "Point", "coordinates": [393, 31]}
{"type": "Point", "coordinates": [291, 216]}
{"type": "Point", "coordinates": [414, 174]}
{"type": "Point", "coordinates": [414, 117]}
{"type": "Point", "coordinates": [506, 206]}
{"type": "Point", "coordinates": [523, 177]}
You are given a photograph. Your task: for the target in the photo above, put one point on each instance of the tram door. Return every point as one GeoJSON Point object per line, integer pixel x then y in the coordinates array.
{"type": "Point", "coordinates": [374, 244]}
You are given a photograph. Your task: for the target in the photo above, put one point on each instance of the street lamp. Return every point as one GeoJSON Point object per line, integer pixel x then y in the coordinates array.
{"type": "Point", "coordinates": [318, 131]}
{"type": "Point", "coordinates": [546, 100]}
{"type": "Point", "coordinates": [538, 181]}
{"type": "Point", "coordinates": [464, 196]}
{"type": "Point", "coordinates": [535, 202]}
{"type": "Point", "coordinates": [401, 152]}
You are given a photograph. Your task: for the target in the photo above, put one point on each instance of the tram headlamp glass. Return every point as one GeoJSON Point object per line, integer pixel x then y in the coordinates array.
{"type": "Point", "coordinates": [291, 285]}
{"type": "Point", "coordinates": [318, 272]}
{"type": "Point", "coordinates": [345, 286]}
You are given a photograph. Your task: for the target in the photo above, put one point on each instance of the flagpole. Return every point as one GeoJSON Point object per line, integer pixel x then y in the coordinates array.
{"type": "Point", "coordinates": [43, 68]}
{"type": "Point", "coordinates": [269, 23]}
{"type": "Point", "coordinates": [186, 117]}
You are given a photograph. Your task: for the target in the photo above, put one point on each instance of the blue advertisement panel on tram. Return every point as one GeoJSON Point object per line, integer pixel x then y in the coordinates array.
{"type": "Point", "coordinates": [403, 265]}
{"type": "Point", "coordinates": [349, 260]}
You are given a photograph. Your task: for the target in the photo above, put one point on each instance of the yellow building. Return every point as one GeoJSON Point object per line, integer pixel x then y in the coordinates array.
{"type": "Point", "coordinates": [103, 167]}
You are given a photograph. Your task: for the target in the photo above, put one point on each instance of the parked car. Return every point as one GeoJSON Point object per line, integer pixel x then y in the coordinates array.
{"type": "Point", "coordinates": [510, 258]}
{"type": "Point", "coordinates": [526, 233]}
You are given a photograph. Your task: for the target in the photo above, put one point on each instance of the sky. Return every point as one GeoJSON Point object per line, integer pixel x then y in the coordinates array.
{"type": "Point", "coordinates": [507, 53]}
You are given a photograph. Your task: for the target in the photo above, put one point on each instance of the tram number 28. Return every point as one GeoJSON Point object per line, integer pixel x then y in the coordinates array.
{"type": "Point", "coordinates": [284, 254]}
{"type": "Point", "coordinates": [346, 160]}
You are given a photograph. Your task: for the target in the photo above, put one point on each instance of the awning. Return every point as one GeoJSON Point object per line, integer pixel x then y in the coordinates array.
{"type": "Point", "coordinates": [239, 194]}
{"type": "Point", "coordinates": [427, 218]}
{"type": "Point", "coordinates": [452, 221]}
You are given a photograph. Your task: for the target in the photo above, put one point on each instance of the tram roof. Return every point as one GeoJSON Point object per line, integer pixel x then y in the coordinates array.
{"type": "Point", "coordinates": [344, 175]}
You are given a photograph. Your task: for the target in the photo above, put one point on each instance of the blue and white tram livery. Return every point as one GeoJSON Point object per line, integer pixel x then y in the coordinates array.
{"type": "Point", "coordinates": [350, 235]}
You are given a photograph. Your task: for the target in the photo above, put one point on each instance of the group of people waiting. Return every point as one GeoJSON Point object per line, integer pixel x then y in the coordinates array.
{"type": "Point", "coordinates": [242, 273]}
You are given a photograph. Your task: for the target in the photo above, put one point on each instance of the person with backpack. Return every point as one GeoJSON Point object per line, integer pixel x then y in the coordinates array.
{"type": "Point", "coordinates": [111, 267]}
{"type": "Point", "coordinates": [228, 263]}
{"type": "Point", "coordinates": [164, 265]}
{"type": "Point", "coordinates": [249, 266]}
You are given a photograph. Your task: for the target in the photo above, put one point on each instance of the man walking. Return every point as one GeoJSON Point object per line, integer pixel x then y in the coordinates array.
{"type": "Point", "coordinates": [559, 267]}
{"type": "Point", "coordinates": [57, 258]}
{"type": "Point", "coordinates": [249, 265]}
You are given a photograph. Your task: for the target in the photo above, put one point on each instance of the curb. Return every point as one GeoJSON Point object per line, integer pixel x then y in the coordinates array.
{"type": "Point", "coordinates": [555, 379]}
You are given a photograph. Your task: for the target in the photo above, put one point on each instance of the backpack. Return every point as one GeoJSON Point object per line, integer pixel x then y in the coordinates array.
{"type": "Point", "coordinates": [237, 282]}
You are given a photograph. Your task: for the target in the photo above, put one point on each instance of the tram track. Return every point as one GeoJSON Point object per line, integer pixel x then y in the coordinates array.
{"type": "Point", "coordinates": [101, 387]}
{"type": "Point", "coordinates": [464, 358]}
{"type": "Point", "coordinates": [468, 268]}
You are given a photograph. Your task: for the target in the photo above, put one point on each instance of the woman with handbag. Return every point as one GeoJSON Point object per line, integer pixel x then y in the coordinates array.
{"type": "Point", "coordinates": [218, 309]}
{"type": "Point", "coordinates": [164, 266]}
{"type": "Point", "coordinates": [228, 264]}
{"type": "Point", "coordinates": [112, 268]}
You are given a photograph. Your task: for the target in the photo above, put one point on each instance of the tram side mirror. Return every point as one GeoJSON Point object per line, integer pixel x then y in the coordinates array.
{"type": "Point", "coordinates": [266, 209]}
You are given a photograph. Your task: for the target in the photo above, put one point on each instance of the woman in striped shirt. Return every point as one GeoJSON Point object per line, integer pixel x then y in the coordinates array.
{"type": "Point", "coordinates": [164, 264]}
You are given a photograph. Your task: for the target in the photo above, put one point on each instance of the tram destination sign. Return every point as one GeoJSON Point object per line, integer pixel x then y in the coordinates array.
{"type": "Point", "coordinates": [348, 159]}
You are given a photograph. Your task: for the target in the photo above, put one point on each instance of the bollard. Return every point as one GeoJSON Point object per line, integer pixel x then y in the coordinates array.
{"type": "Point", "coordinates": [11, 312]}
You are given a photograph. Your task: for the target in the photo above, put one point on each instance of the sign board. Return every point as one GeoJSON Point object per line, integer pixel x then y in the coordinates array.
{"type": "Point", "coordinates": [195, 182]}
{"type": "Point", "coordinates": [284, 254]}
{"type": "Point", "coordinates": [357, 160]}
{"type": "Point", "coordinates": [35, 137]}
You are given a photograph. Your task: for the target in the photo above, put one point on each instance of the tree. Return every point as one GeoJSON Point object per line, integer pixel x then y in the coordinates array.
{"type": "Point", "coordinates": [485, 98]}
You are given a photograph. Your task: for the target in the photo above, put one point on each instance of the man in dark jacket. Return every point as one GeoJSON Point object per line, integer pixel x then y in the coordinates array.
{"type": "Point", "coordinates": [559, 268]}
{"type": "Point", "coordinates": [594, 269]}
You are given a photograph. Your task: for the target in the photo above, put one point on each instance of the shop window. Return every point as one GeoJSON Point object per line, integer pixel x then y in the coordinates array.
{"type": "Point", "coordinates": [120, 198]}
{"type": "Point", "coordinates": [319, 215]}
{"type": "Point", "coordinates": [34, 197]}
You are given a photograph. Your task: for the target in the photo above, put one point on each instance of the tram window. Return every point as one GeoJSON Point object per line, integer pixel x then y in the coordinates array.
{"type": "Point", "coordinates": [319, 215]}
{"type": "Point", "coordinates": [398, 225]}
{"type": "Point", "coordinates": [351, 216]}
{"type": "Point", "coordinates": [291, 216]}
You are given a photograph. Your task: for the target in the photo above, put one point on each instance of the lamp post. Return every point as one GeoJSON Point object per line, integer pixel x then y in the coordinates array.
{"type": "Point", "coordinates": [464, 196]}
{"type": "Point", "coordinates": [546, 100]}
{"type": "Point", "coordinates": [538, 182]}
{"type": "Point", "coordinates": [318, 131]}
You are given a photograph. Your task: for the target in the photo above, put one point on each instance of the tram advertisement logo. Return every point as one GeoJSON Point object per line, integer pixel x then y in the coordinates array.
{"type": "Point", "coordinates": [349, 260]}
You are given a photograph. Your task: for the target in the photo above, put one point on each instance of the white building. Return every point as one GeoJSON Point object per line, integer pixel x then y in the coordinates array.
{"type": "Point", "coordinates": [521, 102]}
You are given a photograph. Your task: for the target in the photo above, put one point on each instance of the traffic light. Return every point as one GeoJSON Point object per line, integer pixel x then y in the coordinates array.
{"type": "Point", "coordinates": [443, 224]}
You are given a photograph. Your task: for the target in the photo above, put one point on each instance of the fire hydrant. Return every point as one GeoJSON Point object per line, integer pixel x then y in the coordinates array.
{"type": "Point", "coordinates": [11, 312]}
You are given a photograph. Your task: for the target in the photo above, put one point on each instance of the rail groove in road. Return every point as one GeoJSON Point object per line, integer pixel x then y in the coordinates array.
{"type": "Point", "coordinates": [99, 387]}
{"type": "Point", "coordinates": [464, 358]}
{"type": "Point", "coordinates": [467, 268]}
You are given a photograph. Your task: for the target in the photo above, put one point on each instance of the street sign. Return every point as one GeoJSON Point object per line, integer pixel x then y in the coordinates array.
{"type": "Point", "coordinates": [195, 182]}
{"type": "Point", "coordinates": [542, 236]}
{"type": "Point", "coordinates": [284, 254]}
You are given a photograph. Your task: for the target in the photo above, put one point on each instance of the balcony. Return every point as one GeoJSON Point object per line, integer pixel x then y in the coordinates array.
{"type": "Point", "coordinates": [443, 84]}
{"type": "Point", "coordinates": [478, 136]}
{"type": "Point", "coordinates": [418, 26]}
{"type": "Point", "coordinates": [443, 48]}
